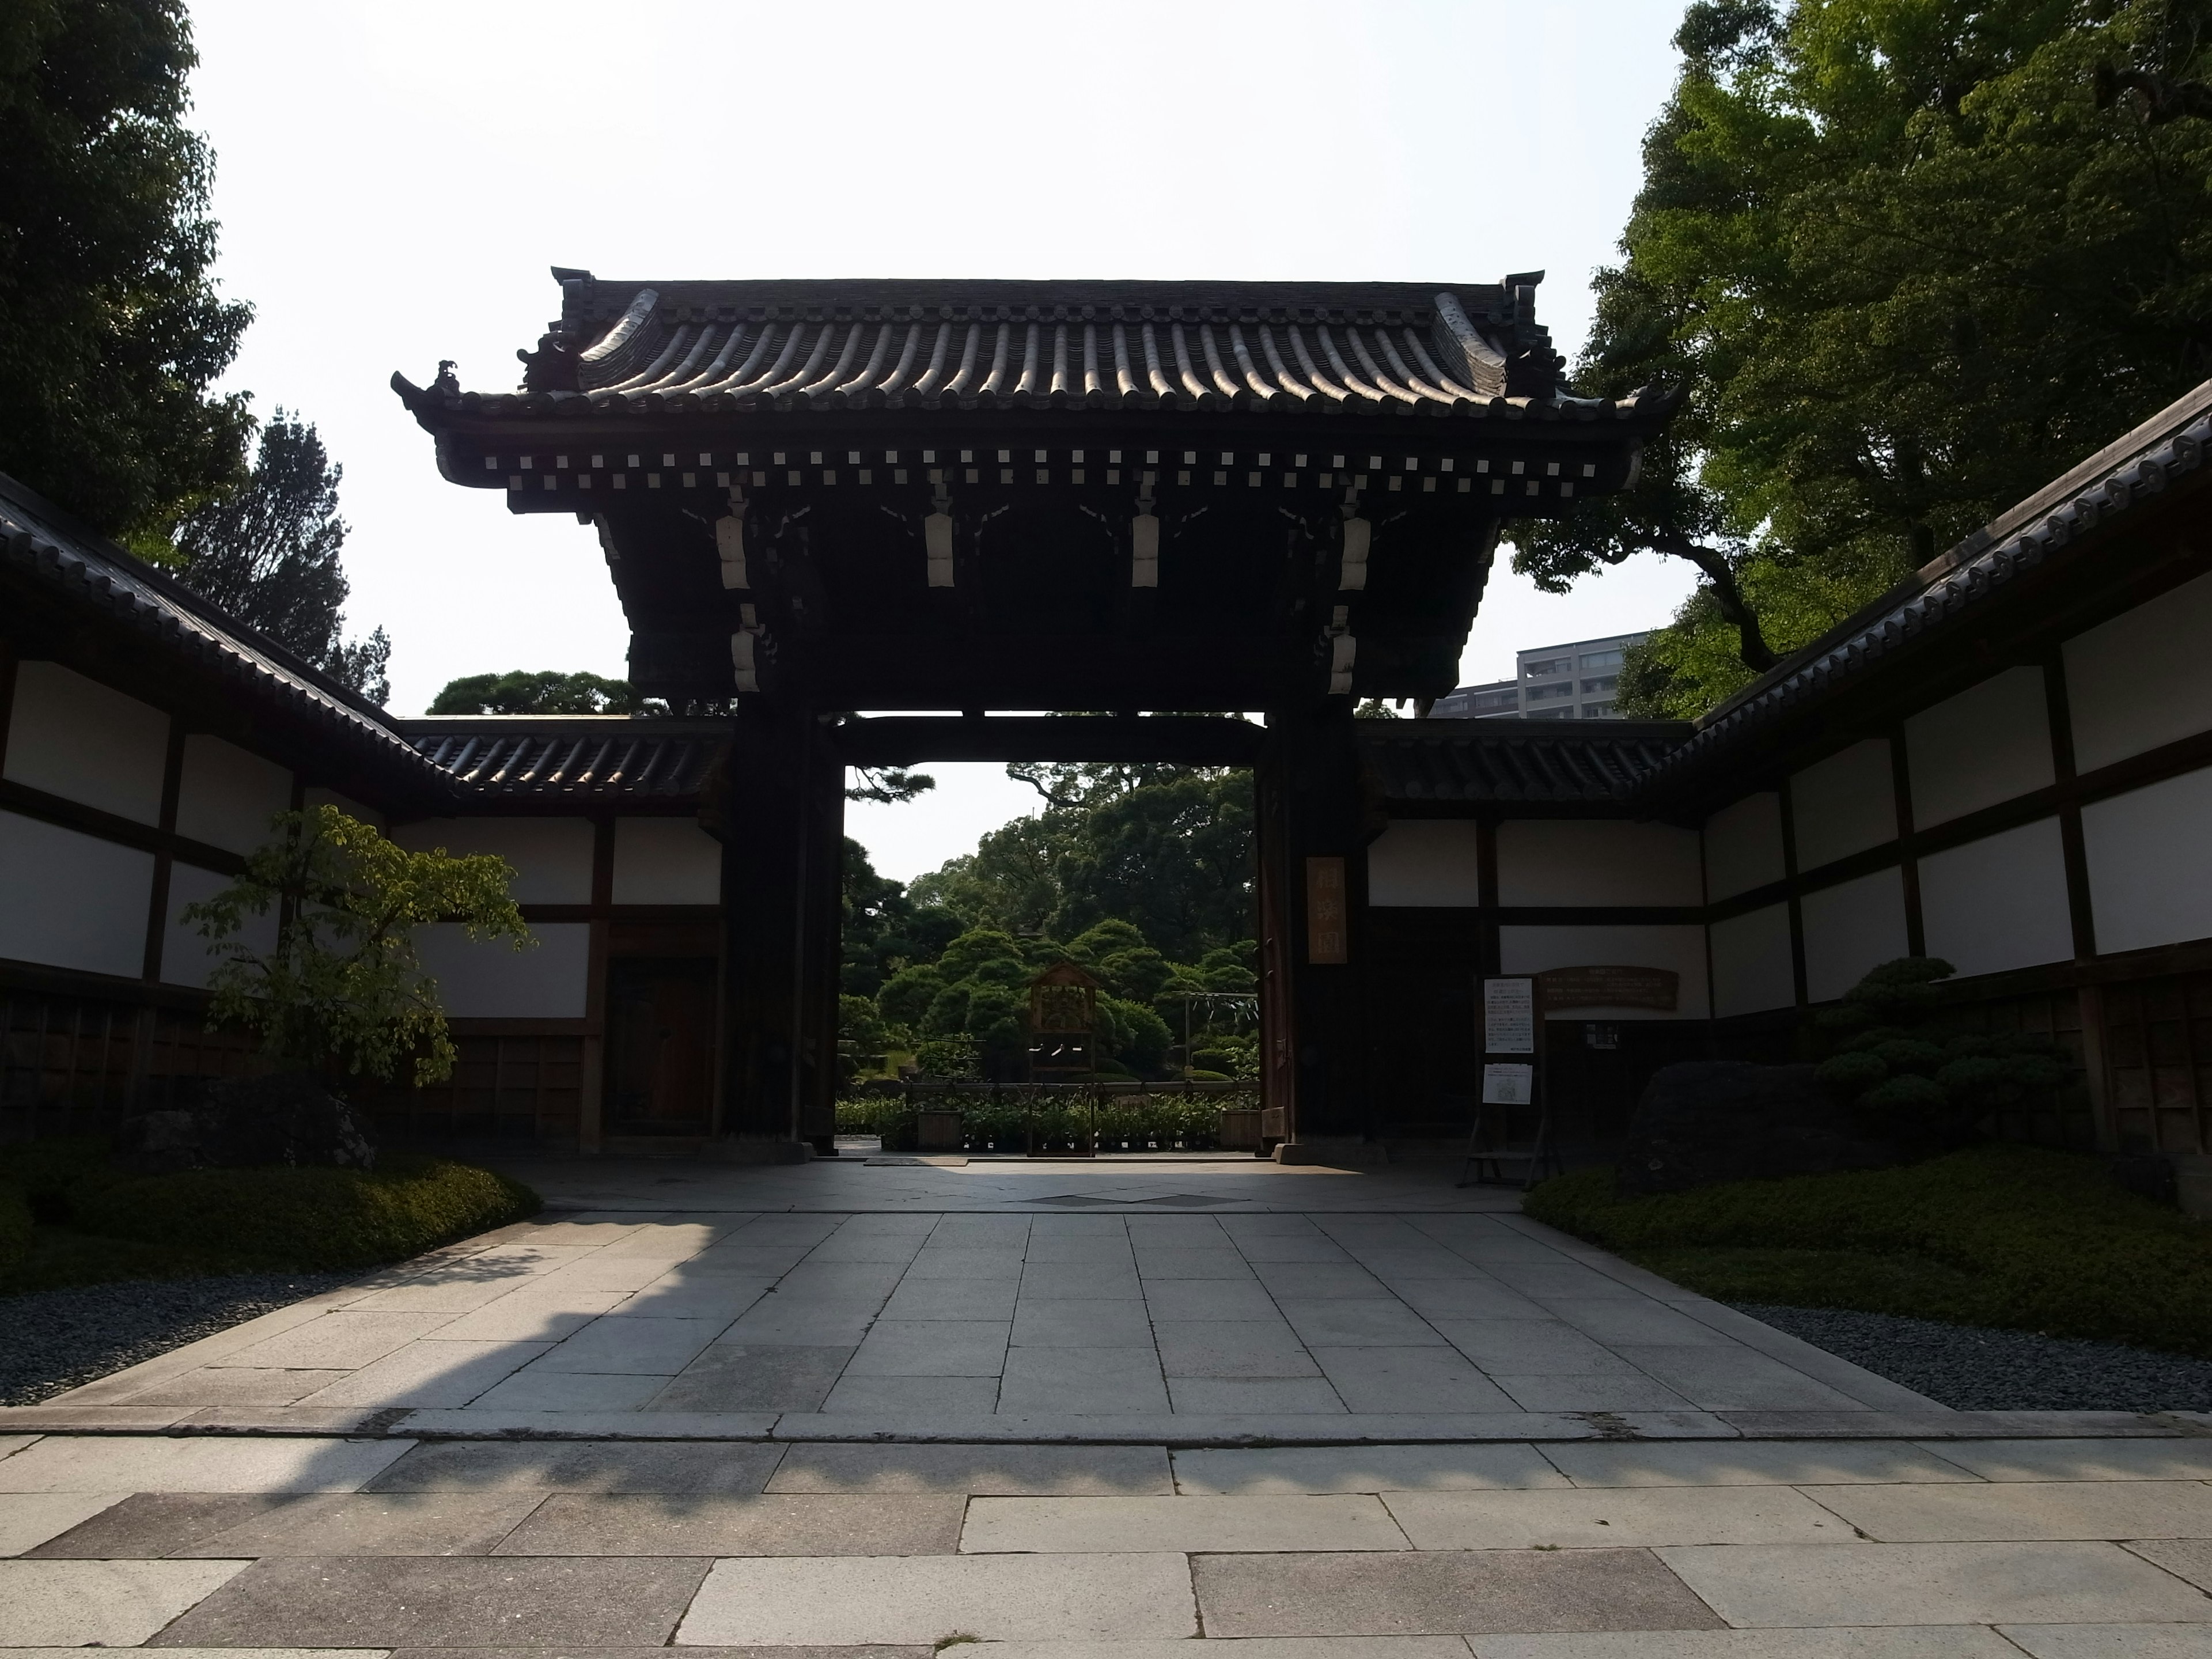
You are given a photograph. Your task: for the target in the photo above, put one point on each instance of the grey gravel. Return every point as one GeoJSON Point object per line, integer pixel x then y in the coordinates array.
{"type": "Point", "coordinates": [51, 1340]}
{"type": "Point", "coordinates": [1971, 1368]}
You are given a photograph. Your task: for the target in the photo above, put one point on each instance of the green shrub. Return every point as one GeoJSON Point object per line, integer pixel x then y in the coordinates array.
{"type": "Point", "coordinates": [1911, 1079]}
{"type": "Point", "coordinates": [2002, 1236]}
{"type": "Point", "coordinates": [307, 1218]}
{"type": "Point", "coordinates": [15, 1227]}
{"type": "Point", "coordinates": [47, 1171]}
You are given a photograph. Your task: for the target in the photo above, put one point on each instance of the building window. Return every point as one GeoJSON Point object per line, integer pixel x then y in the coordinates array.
{"type": "Point", "coordinates": [1537, 671]}
{"type": "Point", "coordinates": [1602, 682]}
{"type": "Point", "coordinates": [1598, 711]}
{"type": "Point", "coordinates": [1603, 659]}
{"type": "Point", "coordinates": [1567, 713]}
{"type": "Point", "coordinates": [1495, 700]}
{"type": "Point", "coordinates": [1540, 693]}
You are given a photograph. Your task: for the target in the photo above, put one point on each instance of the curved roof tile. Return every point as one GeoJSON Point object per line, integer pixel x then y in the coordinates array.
{"type": "Point", "coordinates": [717, 348]}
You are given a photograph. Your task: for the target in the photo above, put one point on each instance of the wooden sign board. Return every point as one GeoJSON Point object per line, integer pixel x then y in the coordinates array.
{"type": "Point", "coordinates": [1326, 936]}
{"type": "Point", "coordinates": [1508, 1017]}
{"type": "Point", "coordinates": [1659, 988]}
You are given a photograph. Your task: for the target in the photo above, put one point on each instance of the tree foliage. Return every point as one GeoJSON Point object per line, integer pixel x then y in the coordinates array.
{"type": "Point", "coordinates": [1911, 1078]}
{"type": "Point", "coordinates": [1166, 848]}
{"type": "Point", "coordinates": [268, 552]}
{"type": "Point", "coordinates": [342, 990]}
{"type": "Point", "coordinates": [1909, 259]}
{"type": "Point", "coordinates": [546, 691]}
{"type": "Point", "coordinates": [111, 329]}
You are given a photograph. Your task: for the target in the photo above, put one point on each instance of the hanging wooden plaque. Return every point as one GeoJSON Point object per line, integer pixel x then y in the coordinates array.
{"type": "Point", "coordinates": [1659, 988]}
{"type": "Point", "coordinates": [1326, 936]}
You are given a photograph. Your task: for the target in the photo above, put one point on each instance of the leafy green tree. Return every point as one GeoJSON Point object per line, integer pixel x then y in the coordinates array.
{"type": "Point", "coordinates": [1907, 259]}
{"type": "Point", "coordinates": [1166, 848]}
{"type": "Point", "coordinates": [885, 930]}
{"type": "Point", "coordinates": [547, 691]}
{"type": "Point", "coordinates": [111, 331]}
{"type": "Point", "coordinates": [268, 552]}
{"type": "Point", "coordinates": [341, 991]}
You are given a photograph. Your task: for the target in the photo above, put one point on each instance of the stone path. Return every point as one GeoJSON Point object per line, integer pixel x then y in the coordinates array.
{"type": "Point", "coordinates": [1869, 1549]}
{"type": "Point", "coordinates": [1086, 1303]}
{"type": "Point", "coordinates": [870, 1409]}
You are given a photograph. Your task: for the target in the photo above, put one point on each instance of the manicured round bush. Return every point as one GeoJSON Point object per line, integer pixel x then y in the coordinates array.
{"type": "Point", "coordinates": [307, 1218]}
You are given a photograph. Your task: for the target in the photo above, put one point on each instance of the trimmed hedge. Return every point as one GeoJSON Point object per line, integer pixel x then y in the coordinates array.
{"type": "Point", "coordinates": [50, 1171]}
{"type": "Point", "coordinates": [307, 1217]}
{"type": "Point", "coordinates": [2002, 1235]}
{"type": "Point", "coordinates": [15, 1227]}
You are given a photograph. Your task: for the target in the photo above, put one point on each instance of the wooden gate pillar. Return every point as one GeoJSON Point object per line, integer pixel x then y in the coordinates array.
{"type": "Point", "coordinates": [1313, 1061]}
{"type": "Point", "coordinates": [783, 827]}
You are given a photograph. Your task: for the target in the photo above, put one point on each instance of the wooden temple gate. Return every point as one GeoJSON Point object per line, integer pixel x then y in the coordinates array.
{"type": "Point", "coordinates": [819, 497]}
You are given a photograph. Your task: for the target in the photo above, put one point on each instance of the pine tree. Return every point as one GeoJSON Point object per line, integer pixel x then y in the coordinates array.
{"type": "Point", "coordinates": [268, 553]}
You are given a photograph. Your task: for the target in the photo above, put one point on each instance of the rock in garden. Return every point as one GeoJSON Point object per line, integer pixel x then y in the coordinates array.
{"type": "Point", "coordinates": [243, 1122]}
{"type": "Point", "coordinates": [1712, 1120]}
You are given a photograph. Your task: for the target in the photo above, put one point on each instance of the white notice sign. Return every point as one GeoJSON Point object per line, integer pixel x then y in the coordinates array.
{"type": "Point", "coordinates": [1508, 1085]}
{"type": "Point", "coordinates": [1508, 1015]}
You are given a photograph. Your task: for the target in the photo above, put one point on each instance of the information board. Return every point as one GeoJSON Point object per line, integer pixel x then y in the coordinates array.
{"type": "Point", "coordinates": [1508, 1017]}
{"type": "Point", "coordinates": [1508, 1084]}
{"type": "Point", "coordinates": [1612, 988]}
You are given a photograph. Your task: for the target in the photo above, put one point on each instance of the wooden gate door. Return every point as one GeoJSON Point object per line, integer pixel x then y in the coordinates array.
{"type": "Point", "coordinates": [661, 1044]}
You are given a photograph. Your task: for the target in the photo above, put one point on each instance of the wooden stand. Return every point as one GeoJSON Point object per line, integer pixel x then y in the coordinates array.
{"type": "Point", "coordinates": [1513, 1005]}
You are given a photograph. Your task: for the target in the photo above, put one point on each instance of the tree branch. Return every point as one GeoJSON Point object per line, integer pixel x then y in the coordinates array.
{"type": "Point", "coordinates": [1752, 647]}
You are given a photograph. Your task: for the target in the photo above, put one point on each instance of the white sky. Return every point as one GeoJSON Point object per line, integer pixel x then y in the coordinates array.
{"type": "Point", "coordinates": [394, 178]}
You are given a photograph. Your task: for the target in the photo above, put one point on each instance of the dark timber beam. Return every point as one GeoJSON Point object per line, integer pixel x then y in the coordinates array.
{"type": "Point", "coordinates": [1187, 739]}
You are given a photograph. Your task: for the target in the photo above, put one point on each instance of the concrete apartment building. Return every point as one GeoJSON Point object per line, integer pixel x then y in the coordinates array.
{"type": "Point", "coordinates": [1575, 681]}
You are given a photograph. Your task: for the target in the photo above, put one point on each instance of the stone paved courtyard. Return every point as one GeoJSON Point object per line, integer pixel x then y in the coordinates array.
{"type": "Point", "coordinates": [1071, 1409]}
{"type": "Point", "coordinates": [1144, 1300]}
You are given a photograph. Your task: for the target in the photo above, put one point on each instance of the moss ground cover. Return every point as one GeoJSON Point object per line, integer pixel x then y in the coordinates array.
{"type": "Point", "coordinates": [2011, 1237]}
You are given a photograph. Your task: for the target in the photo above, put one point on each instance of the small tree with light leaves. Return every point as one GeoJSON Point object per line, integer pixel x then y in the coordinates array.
{"type": "Point", "coordinates": [342, 991]}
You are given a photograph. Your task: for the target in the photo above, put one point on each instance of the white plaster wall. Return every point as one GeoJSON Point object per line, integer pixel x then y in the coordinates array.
{"type": "Point", "coordinates": [487, 979]}
{"type": "Point", "coordinates": [1743, 846]}
{"type": "Point", "coordinates": [314, 795]}
{"type": "Point", "coordinates": [72, 901]}
{"type": "Point", "coordinates": [76, 739]}
{"type": "Point", "coordinates": [1751, 961]}
{"type": "Point", "coordinates": [666, 861]}
{"type": "Point", "coordinates": [1998, 903]}
{"type": "Point", "coordinates": [1844, 805]}
{"type": "Point", "coordinates": [1851, 928]}
{"type": "Point", "coordinates": [1596, 861]}
{"type": "Point", "coordinates": [1682, 949]}
{"type": "Point", "coordinates": [1423, 861]}
{"type": "Point", "coordinates": [226, 796]}
{"type": "Point", "coordinates": [187, 958]}
{"type": "Point", "coordinates": [1987, 744]}
{"type": "Point", "coordinates": [2150, 863]}
{"type": "Point", "coordinates": [552, 857]}
{"type": "Point", "coordinates": [2141, 679]}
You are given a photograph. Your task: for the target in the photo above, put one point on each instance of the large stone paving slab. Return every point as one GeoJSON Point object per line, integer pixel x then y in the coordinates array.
{"type": "Point", "coordinates": [1443, 1595]}
{"type": "Point", "coordinates": [993, 1598]}
{"type": "Point", "coordinates": [1982, 1583]}
{"type": "Point", "coordinates": [117, 1604]}
{"type": "Point", "coordinates": [440, 1602]}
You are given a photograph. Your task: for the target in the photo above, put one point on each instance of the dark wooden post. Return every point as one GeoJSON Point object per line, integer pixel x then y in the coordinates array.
{"type": "Point", "coordinates": [1313, 893]}
{"type": "Point", "coordinates": [822, 925]}
{"type": "Point", "coordinates": [782, 824]}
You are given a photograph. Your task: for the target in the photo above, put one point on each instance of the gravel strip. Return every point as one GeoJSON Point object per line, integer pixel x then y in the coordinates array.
{"type": "Point", "coordinates": [53, 1340]}
{"type": "Point", "coordinates": [1972, 1369]}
